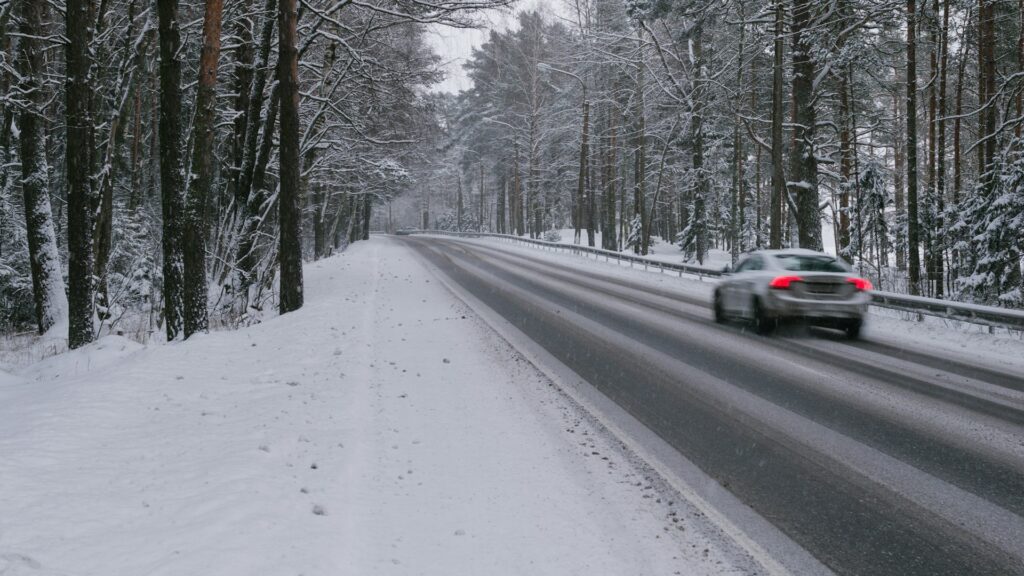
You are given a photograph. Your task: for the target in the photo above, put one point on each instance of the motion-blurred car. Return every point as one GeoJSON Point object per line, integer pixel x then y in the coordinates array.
{"type": "Point", "coordinates": [769, 286]}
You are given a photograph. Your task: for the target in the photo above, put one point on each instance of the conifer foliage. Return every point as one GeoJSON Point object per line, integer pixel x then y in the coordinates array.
{"type": "Point", "coordinates": [885, 132]}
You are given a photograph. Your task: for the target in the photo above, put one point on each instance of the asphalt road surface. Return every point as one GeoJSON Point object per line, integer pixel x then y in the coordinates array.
{"type": "Point", "coordinates": [876, 460]}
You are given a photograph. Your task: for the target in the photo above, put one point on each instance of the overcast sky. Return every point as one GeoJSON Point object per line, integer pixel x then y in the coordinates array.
{"type": "Point", "coordinates": [456, 45]}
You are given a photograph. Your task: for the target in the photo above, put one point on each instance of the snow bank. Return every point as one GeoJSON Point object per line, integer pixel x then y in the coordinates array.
{"type": "Point", "coordinates": [382, 429]}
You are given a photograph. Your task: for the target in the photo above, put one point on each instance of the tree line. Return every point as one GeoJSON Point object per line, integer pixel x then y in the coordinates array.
{"type": "Point", "coordinates": [894, 127]}
{"type": "Point", "coordinates": [166, 165]}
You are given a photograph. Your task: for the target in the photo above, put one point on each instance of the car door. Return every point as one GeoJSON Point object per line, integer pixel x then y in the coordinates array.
{"type": "Point", "coordinates": [727, 291]}
{"type": "Point", "coordinates": [745, 285]}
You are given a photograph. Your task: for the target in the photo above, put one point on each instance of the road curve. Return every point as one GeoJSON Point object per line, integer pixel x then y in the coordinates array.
{"type": "Point", "coordinates": [875, 460]}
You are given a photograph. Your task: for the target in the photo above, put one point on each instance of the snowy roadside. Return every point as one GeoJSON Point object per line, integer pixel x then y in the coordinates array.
{"type": "Point", "coordinates": [967, 342]}
{"type": "Point", "coordinates": [659, 251]}
{"type": "Point", "coordinates": [382, 429]}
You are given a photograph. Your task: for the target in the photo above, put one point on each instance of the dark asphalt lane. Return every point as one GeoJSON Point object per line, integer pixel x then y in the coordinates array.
{"type": "Point", "coordinates": [883, 499]}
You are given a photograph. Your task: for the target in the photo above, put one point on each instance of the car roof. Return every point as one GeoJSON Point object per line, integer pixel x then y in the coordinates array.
{"type": "Point", "coordinates": [792, 252]}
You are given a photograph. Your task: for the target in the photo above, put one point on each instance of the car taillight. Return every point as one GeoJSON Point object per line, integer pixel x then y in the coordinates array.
{"type": "Point", "coordinates": [783, 282]}
{"type": "Point", "coordinates": [860, 284]}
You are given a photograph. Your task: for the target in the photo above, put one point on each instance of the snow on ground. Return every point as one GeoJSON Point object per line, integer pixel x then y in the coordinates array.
{"type": "Point", "coordinates": [382, 429]}
{"type": "Point", "coordinates": [963, 341]}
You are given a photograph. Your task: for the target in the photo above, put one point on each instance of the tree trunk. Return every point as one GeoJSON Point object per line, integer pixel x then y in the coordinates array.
{"type": "Point", "coordinates": [581, 190]}
{"type": "Point", "coordinates": [480, 206]}
{"type": "Point", "coordinates": [243, 72]}
{"type": "Point", "coordinates": [608, 236]}
{"type": "Point", "coordinates": [899, 159]}
{"type": "Point", "coordinates": [290, 215]}
{"type": "Point", "coordinates": [845, 166]}
{"type": "Point", "coordinates": [499, 204]}
{"type": "Point", "coordinates": [737, 206]}
{"type": "Point", "coordinates": [459, 207]}
{"type": "Point", "coordinates": [79, 92]}
{"type": "Point", "coordinates": [51, 305]}
{"type": "Point", "coordinates": [803, 162]}
{"type": "Point", "coordinates": [927, 210]}
{"type": "Point", "coordinates": [990, 111]}
{"type": "Point", "coordinates": [171, 176]}
{"type": "Point", "coordinates": [367, 213]}
{"type": "Point", "coordinates": [958, 121]}
{"type": "Point", "coordinates": [246, 173]}
{"type": "Point", "coordinates": [254, 210]}
{"type": "Point", "coordinates": [195, 221]}
{"type": "Point", "coordinates": [129, 70]}
{"type": "Point", "coordinates": [778, 110]}
{"type": "Point", "coordinates": [517, 195]}
{"type": "Point", "coordinates": [912, 220]}
{"type": "Point", "coordinates": [701, 187]}
{"type": "Point", "coordinates": [320, 197]}
{"type": "Point", "coordinates": [940, 241]}
{"type": "Point", "coordinates": [320, 247]}
{"type": "Point", "coordinates": [639, 154]}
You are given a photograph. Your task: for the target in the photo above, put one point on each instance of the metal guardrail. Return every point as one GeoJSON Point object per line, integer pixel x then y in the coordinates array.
{"type": "Point", "coordinates": [647, 263]}
{"type": "Point", "coordinates": [963, 311]}
{"type": "Point", "coordinates": [974, 313]}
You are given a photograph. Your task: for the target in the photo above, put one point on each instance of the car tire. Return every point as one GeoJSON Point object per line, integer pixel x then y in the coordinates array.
{"type": "Point", "coordinates": [719, 311]}
{"type": "Point", "coordinates": [763, 325]}
{"type": "Point", "coordinates": [852, 329]}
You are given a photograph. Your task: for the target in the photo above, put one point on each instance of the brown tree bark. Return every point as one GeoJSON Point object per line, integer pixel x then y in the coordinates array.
{"type": "Point", "coordinates": [195, 221]}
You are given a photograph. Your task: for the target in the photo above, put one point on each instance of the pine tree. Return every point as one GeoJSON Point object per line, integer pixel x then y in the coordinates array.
{"type": "Point", "coordinates": [194, 219]}
{"type": "Point", "coordinates": [47, 283]}
{"type": "Point", "coordinates": [78, 95]}
{"type": "Point", "coordinates": [290, 254]}
{"type": "Point", "coordinates": [172, 180]}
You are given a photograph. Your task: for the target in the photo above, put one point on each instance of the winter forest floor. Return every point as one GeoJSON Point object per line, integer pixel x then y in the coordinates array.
{"type": "Point", "coordinates": [382, 429]}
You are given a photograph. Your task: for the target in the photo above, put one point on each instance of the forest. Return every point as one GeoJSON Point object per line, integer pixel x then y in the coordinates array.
{"type": "Point", "coordinates": [167, 166]}
{"type": "Point", "coordinates": [888, 133]}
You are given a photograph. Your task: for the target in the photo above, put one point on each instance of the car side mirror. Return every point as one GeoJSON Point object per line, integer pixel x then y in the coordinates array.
{"type": "Point", "coordinates": [727, 270]}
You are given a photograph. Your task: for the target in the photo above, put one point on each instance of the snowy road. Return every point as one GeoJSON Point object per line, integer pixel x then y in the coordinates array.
{"type": "Point", "coordinates": [875, 459]}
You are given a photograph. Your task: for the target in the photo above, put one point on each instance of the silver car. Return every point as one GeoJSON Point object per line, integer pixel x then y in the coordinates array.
{"type": "Point", "coordinates": [768, 286]}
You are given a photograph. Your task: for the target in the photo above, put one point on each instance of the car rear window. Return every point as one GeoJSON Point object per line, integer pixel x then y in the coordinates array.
{"type": "Point", "coordinates": [809, 263]}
